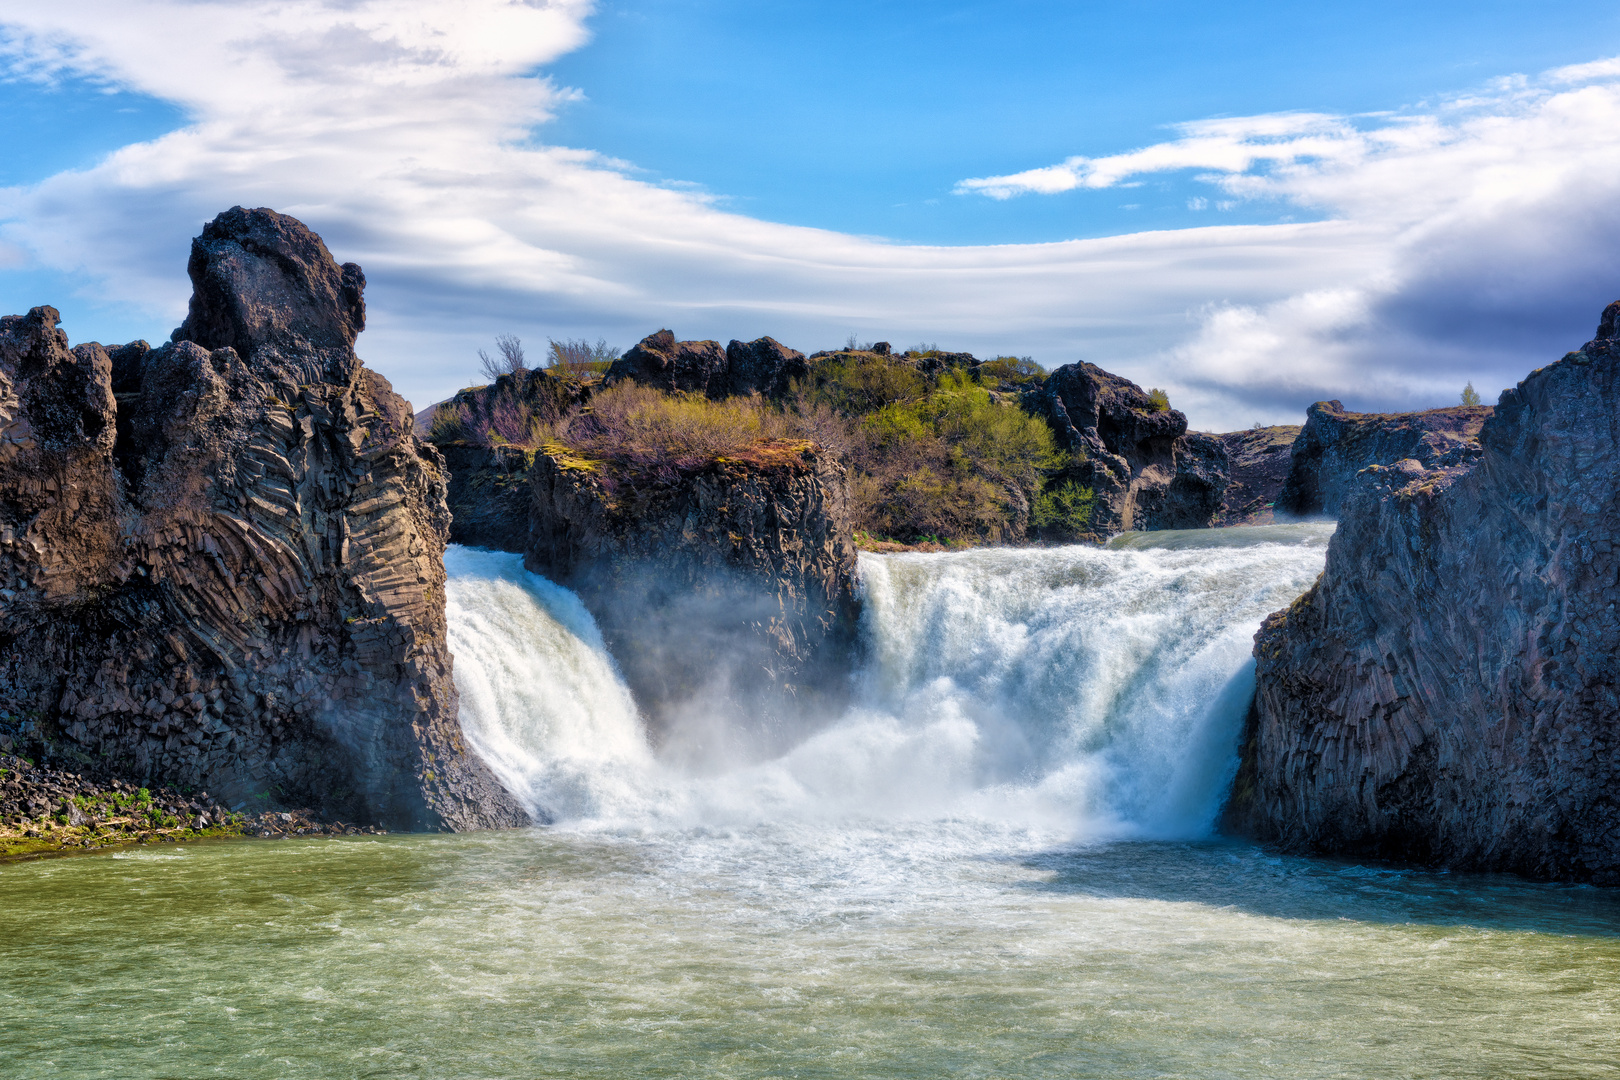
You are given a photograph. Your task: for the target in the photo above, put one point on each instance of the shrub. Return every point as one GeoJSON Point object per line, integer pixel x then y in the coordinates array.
{"type": "Point", "coordinates": [509, 362]}
{"type": "Point", "coordinates": [451, 423]}
{"type": "Point", "coordinates": [1064, 508]}
{"type": "Point", "coordinates": [576, 356]}
{"type": "Point", "coordinates": [1160, 400]}
{"type": "Point", "coordinates": [644, 426]}
{"type": "Point", "coordinates": [1011, 370]}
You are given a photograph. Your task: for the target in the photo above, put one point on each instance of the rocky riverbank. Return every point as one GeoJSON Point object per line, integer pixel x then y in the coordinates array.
{"type": "Point", "coordinates": [48, 811]}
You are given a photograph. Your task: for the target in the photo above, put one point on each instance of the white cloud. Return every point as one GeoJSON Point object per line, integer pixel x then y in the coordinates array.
{"type": "Point", "coordinates": [1459, 243]}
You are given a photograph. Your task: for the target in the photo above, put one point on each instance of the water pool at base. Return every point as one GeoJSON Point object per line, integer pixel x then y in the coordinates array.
{"type": "Point", "coordinates": [998, 862]}
{"type": "Point", "coordinates": [919, 951]}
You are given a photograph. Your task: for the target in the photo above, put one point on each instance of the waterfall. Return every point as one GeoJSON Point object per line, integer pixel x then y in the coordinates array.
{"type": "Point", "coordinates": [1099, 692]}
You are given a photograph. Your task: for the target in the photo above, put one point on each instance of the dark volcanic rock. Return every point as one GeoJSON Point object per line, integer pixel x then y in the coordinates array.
{"type": "Point", "coordinates": [489, 495]}
{"type": "Point", "coordinates": [730, 589]}
{"type": "Point", "coordinates": [231, 576]}
{"type": "Point", "coordinates": [1334, 445]}
{"type": "Point", "coordinates": [1258, 463]}
{"type": "Point", "coordinates": [1449, 691]}
{"type": "Point", "coordinates": [764, 366]}
{"type": "Point", "coordinates": [661, 361]}
{"type": "Point", "coordinates": [1131, 453]}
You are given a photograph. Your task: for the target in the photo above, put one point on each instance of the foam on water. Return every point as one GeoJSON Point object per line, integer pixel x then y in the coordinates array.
{"type": "Point", "coordinates": [1066, 691]}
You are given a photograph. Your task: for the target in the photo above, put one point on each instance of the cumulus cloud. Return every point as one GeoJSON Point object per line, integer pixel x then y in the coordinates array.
{"type": "Point", "coordinates": [1460, 242]}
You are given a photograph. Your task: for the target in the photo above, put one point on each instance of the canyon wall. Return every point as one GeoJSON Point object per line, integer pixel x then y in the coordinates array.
{"type": "Point", "coordinates": [1449, 691]}
{"type": "Point", "coordinates": [221, 560]}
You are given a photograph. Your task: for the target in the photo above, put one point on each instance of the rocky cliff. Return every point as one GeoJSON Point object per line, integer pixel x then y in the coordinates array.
{"type": "Point", "coordinates": [1449, 691]}
{"type": "Point", "coordinates": [1136, 455]}
{"type": "Point", "coordinates": [1334, 445]}
{"type": "Point", "coordinates": [726, 589]}
{"type": "Point", "coordinates": [221, 560]}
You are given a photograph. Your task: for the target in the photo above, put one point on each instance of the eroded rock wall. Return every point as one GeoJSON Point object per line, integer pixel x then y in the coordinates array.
{"type": "Point", "coordinates": [1449, 691]}
{"type": "Point", "coordinates": [230, 575]}
{"type": "Point", "coordinates": [727, 591]}
{"type": "Point", "coordinates": [764, 366]}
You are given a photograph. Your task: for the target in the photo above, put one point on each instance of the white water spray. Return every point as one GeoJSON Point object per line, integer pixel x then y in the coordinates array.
{"type": "Point", "coordinates": [1095, 692]}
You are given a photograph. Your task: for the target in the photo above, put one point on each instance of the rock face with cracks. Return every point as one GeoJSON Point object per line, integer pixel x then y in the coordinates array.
{"type": "Point", "coordinates": [1449, 691]}
{"type": "Point", "coordinates": [727, 589]}
{"type": "Point", "coordinates": [1334, 445]}
{"type": "Point", "coordinates": [1144, 468]}
{"type": "Point", "coordinates": [221, 560]}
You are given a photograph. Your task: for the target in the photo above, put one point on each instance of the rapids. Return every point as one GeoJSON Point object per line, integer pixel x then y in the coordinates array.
{"type": "Point", "coordinates": [998, 862]}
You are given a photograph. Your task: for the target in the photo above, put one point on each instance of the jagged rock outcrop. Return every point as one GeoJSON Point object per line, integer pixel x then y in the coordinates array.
{"type": "Point", "coordinates": [763, 366]}
{"type": "Point", "coordinates": [1135, 455]}
{"type": "Point", "coordinates": [230, 575]}
{"type": "Point", "coordinates": [1258, 461]}
{"type": "Point", "coordinates": [1449, 691]}
{"type": "Point", "coordinates": [1334, 445]}
{"type": "Point", "coordinates": [728, 589]}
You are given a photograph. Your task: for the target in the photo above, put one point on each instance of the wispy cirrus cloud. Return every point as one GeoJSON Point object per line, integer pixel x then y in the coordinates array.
{"type": "Point", "coordinates": [1467, 241]}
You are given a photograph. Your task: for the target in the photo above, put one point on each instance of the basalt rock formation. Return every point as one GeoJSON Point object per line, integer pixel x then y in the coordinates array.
{"type": "Point", "coordinates": [729, 588]}
{"type": "Point", "coordinates": [1145, 470]}
{"type": "Point", "coordinates": [764, 366]}
{"type": "Point", "coordinates": [1449, 691]}
{"type": "Point", "coordinates": [1258, 461]}
{"type": "Point", "coordinates": [221, 560]}
{"type": "Point", "coordinates": [1335, 445]}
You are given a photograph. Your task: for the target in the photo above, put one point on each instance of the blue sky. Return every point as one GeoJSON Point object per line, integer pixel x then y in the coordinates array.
{"type": "Point", "coordinates": [1256, 206]}
{"type": "Point", "coordinates": [862, 117]}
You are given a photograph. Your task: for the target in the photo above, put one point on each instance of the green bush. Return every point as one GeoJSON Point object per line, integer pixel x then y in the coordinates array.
{"type": "Point", "coordinates": [1160, 400]}
{"type": "Point", "coordinates": [1012, 371]}
{"type": "Point", "coordinates": [1064, 508]}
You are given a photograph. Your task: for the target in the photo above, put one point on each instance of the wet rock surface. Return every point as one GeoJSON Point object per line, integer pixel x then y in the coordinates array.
{"type": "Point", "coordinates": [1136, 456]}
{"type": "Point", "coordinates": [1449, 691]}
{"type": "Point", "coordinates": [1334, 445]}
{"type": "Point", "coordinates": [730, 587]}
{"type": "Point", "coordinates": [221, 559]}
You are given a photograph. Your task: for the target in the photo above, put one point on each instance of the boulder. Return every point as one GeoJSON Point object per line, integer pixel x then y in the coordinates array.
{"type": "Point", "coordinates": [763, 366]}
{"type": "Point", "coordinates": [229, 575]}
{"type": "Point", "coordinates": [1449, 690]}
{"type": "Point", "coordinates": [658, 360]}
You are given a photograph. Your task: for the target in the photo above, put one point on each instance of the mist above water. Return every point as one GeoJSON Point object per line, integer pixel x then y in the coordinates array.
{"type": "Point", "coordinates": [1092, 694]}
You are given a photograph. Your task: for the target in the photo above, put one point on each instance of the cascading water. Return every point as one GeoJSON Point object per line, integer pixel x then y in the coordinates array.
{"type": "Point", "coordinates": [1094, 692]}
{"type": "Point", "coordinates": [911, 890]}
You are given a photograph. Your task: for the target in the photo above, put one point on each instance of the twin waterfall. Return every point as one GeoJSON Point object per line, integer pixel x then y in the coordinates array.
{"type": "Point", "coordinates": [1095, 693]}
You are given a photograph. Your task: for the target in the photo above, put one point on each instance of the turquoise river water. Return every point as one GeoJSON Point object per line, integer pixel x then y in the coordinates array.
{"type": "Point", "coordinates": [998, 863]}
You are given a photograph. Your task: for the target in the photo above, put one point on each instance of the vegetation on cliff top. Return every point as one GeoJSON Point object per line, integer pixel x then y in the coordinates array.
{"type": "Point", "coordinates": [938, 451]}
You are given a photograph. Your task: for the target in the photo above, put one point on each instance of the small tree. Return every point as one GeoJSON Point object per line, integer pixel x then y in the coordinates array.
{"type": "Point", "coordinates": [1160, 399]}
{"type": "Point", "coordinates": [1470, 396]}
{"type": "Point", "coordinates": [509, 362]}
